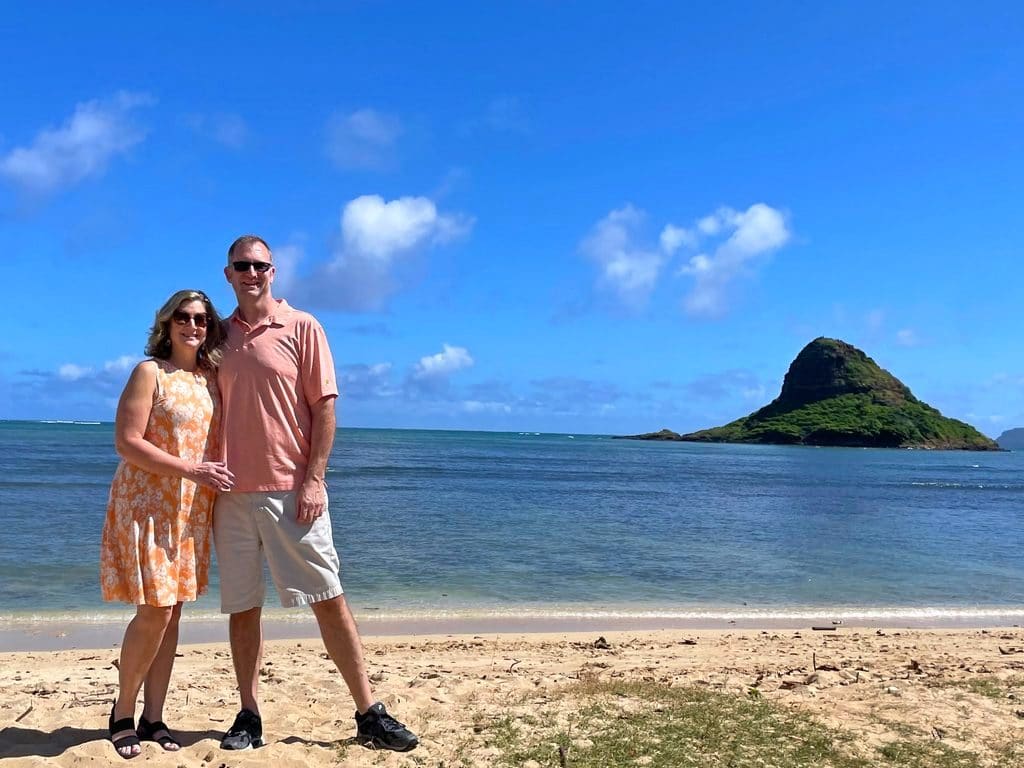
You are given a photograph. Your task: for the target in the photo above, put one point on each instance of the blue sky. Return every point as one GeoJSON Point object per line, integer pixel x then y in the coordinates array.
{"type": "Point", "coordinates": [600, 217]}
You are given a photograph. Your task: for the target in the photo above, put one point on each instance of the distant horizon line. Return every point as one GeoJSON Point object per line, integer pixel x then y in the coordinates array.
{"type": "Point", "coordinates": [96, 422]}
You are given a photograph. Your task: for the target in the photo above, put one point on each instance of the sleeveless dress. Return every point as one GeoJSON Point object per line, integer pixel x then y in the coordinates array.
{"type": "Point", "coordinates": [155, 547]}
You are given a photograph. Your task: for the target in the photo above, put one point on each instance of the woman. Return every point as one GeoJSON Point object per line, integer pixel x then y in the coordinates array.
{"type": "Point", "coordinates": [155, 549]}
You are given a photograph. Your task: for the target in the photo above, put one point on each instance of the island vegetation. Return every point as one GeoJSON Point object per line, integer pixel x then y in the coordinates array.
{"type": "Point", "coordinates": [834, 394]}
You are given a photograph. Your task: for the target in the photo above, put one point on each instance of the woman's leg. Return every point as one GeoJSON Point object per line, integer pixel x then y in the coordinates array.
{"type": "Point", "coordinates": [142, 641]}
{"type": "Point", "coordinates": [159, 676]}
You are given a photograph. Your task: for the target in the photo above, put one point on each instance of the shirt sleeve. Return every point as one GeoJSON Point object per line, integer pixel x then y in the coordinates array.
{"type": "Point", "coordinates": [316, 364]}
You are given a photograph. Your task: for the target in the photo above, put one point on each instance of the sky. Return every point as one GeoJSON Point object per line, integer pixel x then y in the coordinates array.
{"type": "Point", "coordinates": [535, 216]}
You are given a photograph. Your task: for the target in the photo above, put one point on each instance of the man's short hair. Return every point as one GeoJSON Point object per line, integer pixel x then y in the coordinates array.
{"type": "Point", "coordinates": [245, 241]}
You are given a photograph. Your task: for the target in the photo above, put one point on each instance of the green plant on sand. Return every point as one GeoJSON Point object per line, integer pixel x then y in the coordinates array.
{"type": "Point", "coordinates": [640, 723]}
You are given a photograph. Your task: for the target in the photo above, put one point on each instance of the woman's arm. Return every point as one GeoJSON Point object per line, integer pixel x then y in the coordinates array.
{"type": "Point", "coordinates": [133, 410]}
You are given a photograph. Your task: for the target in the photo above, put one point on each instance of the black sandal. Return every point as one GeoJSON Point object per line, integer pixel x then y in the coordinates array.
{"type": "Point", "coordinates": [124, 724]}
{"type": "Point", "coordinates": [147, 729]}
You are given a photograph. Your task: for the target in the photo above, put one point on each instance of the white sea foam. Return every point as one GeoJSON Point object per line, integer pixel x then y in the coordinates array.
{"type": "Point", "coordinates": [65, 421]}
{"type": "Point", "coordinates": [709, 614]}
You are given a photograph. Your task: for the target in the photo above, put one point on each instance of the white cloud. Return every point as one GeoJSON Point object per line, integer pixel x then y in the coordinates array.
{"type": "Point", "coordinates": [709, 225]}
{"type": "Point", "coordinates": [366, 382]}
{"type": "Point", "coordinates": [875, 319]}
{"type": "Point", "coordinates": [673, 237]}
{"type": "Point", "coordinates": [111, 369]}
{"type": "Point", "coordinates": [381, 230]}
{"type": "Point", "coordinates": [286, 264]}
{"type": "Point", "coordinates": [760, 228]}
{"type": "Point", "coordinates": [72, 372]}
{"type": "Point", "coordinates": [627, 269]}
{"type": "Point", "coordinates": [478, 406]}
{"type": "Point", "coordinates": [631, 270]}
{"type": "Point", "coordinates": [363, 140]}
{"type": "Point", "coordinates": [754, 233]}
{"type": "Point", "coordinates": [699, 264]}
{"type": "Point", "coordinates": [758, 393]}
{"type": "Point", "coordinates": [375, 236]}
{"type": "Point", "coordinates": [84, 146]}
{"type": "Point", "coordinates": [446, 362]}
{"type": "Point", "coordinates": [907, 337]}
{"type": "Point", "coordinates": [123, 364]}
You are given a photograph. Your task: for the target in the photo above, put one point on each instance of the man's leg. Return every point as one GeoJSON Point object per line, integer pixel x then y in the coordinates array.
{"type": "Point", "coordinates": [240, 560]}
{"type": "Point", "coordinates": [341, 638]}
{"type": "Point", "coordinates": [304, 564]}
{"type": "Point", "coordinates": [246, 634]}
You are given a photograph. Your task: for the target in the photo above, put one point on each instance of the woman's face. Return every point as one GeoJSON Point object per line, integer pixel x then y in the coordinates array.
{"type": "Point", "coordinates": [187, 326]}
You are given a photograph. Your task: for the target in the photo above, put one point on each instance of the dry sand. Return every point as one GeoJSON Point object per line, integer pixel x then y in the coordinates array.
{"type": "Point", "coordinates": [870, 683]}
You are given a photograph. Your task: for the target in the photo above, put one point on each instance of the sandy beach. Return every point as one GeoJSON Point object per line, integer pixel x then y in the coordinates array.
{"type": "Point", "coordinates": [961, 688]}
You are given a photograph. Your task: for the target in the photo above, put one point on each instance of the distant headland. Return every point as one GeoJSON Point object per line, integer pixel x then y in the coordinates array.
{"type": "Point", "coordinates": [1012, 439]}
{"type": "Point", "coordinates": [836, 395]}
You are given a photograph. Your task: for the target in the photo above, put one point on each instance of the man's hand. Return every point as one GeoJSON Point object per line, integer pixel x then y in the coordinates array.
{"type": "Point", "coordinates": [213, 474]}
{"type": "Point", "coordinates": [311, 501]}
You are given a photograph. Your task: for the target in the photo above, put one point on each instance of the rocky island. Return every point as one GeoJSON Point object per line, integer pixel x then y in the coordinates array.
{"type": "Point", "coordinates": [834, 394]}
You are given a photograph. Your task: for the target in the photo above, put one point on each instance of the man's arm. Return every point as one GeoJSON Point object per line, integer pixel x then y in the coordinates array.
{"type": "Point", "coordinates": [312, 497]}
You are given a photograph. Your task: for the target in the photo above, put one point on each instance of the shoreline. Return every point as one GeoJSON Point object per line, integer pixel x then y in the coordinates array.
{"type": "Point", "coordinates": [60, 634]}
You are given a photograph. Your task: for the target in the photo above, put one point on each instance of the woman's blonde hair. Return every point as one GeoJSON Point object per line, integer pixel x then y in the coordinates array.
{"type": "Point", "coordinates": [159, 343]}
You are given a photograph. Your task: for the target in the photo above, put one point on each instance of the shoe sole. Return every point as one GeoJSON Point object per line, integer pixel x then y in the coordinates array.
{"type": "Point", "coordinates": [375, 744]}
{"type": "Point", "coordinates": [251, 745]}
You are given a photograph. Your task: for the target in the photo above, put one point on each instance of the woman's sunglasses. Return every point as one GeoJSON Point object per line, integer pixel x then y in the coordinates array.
{"type": "Point", "coordinates": [184, 318]}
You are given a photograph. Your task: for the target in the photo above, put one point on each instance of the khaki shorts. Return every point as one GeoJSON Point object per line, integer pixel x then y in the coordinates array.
{"type": "Point", "coordinates": [303, 561]}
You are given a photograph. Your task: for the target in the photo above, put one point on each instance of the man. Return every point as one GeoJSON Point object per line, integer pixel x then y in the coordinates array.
{"type": "Point", "coordinates": [278, 386]}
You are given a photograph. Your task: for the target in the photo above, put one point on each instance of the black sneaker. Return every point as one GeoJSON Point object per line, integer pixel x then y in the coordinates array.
{"type": "Point", "coordinates": [380, 730]}
{"type": "Point", "coordinates": [246, 733]}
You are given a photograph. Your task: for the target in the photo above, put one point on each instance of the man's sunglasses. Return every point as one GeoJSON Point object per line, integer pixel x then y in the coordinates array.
{"type": "Point", "coordinates": [184, 318]}
{"type": "Point", "coordinates": [243, 266]}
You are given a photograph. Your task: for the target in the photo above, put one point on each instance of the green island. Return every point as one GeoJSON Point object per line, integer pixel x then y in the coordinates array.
{"type": "Point", "coordinates": [835, 395]}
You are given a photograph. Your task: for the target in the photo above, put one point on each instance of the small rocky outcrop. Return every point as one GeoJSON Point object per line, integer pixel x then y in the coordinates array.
{"type": "Point", "coordinates": [661, 434]}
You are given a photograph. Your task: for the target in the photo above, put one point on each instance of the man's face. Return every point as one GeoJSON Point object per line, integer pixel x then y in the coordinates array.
{"type": "Point", "coordinates": [245, 275]}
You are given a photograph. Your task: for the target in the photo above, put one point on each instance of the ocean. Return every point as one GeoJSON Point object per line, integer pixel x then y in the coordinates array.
{"type": "Point", "coordinates": [436, 525]}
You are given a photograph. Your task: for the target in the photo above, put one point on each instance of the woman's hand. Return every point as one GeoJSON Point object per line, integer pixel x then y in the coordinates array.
{"type": "Point", "coordinates": [213, 474]}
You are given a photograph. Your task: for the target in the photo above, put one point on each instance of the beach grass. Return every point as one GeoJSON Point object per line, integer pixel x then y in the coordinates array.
{"type": "Point", "coordinates": [654, 725]}
{"type": "Point", "coordinates": [988, 687]}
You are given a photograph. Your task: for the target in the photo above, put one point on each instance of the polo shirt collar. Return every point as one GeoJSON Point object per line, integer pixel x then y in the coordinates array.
{"type": "Point", "coordinates": [279, 317]}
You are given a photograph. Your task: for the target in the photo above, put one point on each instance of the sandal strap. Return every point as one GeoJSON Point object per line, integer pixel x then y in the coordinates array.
{"type": "Point", "coordinates": [125, 741]}
{"type": "Point", "coordinates": [124, 724]}
{"type": "Point", "coordinates": [147, 729]}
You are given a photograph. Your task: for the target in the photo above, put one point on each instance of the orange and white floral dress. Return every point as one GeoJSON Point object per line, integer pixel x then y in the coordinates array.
{"type": "Point", "coordinates": [155, 548]}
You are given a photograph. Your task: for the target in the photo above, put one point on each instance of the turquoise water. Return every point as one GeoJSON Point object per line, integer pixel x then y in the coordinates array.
{"type": "Point", "coordinates": [450, 524]}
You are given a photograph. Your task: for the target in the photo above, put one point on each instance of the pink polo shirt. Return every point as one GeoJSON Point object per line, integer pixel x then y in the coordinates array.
{"type": "Point", "coordinates": [270, 376]}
